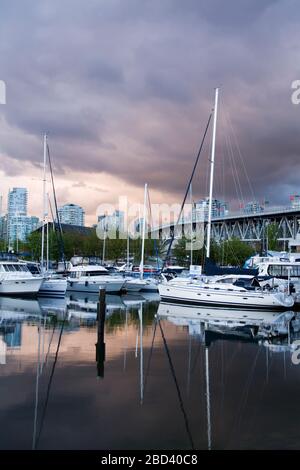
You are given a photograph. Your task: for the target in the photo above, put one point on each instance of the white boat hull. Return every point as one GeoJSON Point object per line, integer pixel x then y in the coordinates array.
{"type": "Point", "coordinates": [53, 287]}
{"type": "Point", "coordinates": [203, 296]}
{"type": "Point", "coordinates": [21, 286]}
{"type": "Point", "coordinates": [134, 285]}
{"type": "Point", "coordinates": [110, 285]}
{"type": "Point", "coordinates": [151, 286]}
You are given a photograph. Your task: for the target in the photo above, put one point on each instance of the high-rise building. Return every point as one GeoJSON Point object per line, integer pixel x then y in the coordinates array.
{"type": "Point", "coordinates": [3, 227]}
{"type": "Point", "coordinates": [71, 214]}
{"type": "Point", "coordinates": [17, 202]}
{"type": "Point", "coordinates": [18, 224]}
{"type": "Point", "coordinates": [218, 208]}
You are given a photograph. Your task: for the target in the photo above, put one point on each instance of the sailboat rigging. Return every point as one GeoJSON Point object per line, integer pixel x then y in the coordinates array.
{"type": "Point", "coordinates": [186, 192]}
{"type": "Point", "coordinates": [237, 289]}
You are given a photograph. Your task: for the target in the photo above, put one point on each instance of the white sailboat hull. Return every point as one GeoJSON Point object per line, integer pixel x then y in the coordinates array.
{"type": "Point", "coordinates": [203, 296]}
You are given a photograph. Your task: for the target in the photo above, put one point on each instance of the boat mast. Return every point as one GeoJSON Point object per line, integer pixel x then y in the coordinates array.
{"type": "Point", "coordinates": [191, 201]}
{"type": "Point", "coordinates": [143, 234]}
{"type": "Point", "coordinates": [47, 243]}
{"type": "Point", "coordinates": [103, 247]}
{"type": "Point", "coordinates": [211, 181]}
{"type": "Point", "coordinates": [127, 249]}
{"type": "Point", "coordinates": [44, 205]}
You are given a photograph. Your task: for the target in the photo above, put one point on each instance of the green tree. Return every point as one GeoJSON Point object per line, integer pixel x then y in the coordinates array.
{"type": "Point", "coordinates": [89, 245]}
{"type": "Point", "coordinates": [234, 252]}
{"type": "Point", "coordinates": [272, 235]}
{"type": "Point", "coordinates": [182, 252]}
{"type": "Point", "coordinates": [34, 243]}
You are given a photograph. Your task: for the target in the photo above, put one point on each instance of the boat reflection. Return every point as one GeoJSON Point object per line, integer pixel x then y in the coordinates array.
{"type": "Point", "coordinates": [275, 331]}
{"type": "Point", "coordinates": [53, 306]}
{"type": "Point", "coordinates": [205, 321]}
{"type": "Point", "coordinates": [13, 311]}
{"type": "Point", "coordinates": [11, 307]}
{"type": "Point", "coordinates": [173, 356]}
{"type": "Point", "coordinates": [84, 307]}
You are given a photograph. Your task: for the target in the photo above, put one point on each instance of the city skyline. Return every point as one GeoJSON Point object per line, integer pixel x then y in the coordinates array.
{"type": "Point", "coordinates": [134, 111]}
{"type": "Point", "coordinates": [17, 223]}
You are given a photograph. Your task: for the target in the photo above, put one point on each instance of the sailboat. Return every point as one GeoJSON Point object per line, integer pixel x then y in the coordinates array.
{"type": "Point", "coordinates": [136, 282]}
{"type": "Point", "coordinates": [230, 290]}
{"type": "Point", "coordinates": [151, 283]}
{"type": "Point", "coordinates": [132, 284]}
{"type": "Point", "coordinates": [51, 286]}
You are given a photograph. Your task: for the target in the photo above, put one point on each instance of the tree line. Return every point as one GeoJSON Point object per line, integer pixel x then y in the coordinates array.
{"type": "Point", "coordinates": [75, 244]}
{"type": "Point", "coordinates": [233, 252]}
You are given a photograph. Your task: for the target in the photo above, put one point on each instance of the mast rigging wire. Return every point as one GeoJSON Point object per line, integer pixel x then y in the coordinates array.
{"type": "Point", "coordinates": [187, 191]}
{"type": "Point", "coordinates": [61, 245]}
{"type": "Point", "coordinates": [50, 381]}
{"type": "Point", "coordinates": [176, 385]}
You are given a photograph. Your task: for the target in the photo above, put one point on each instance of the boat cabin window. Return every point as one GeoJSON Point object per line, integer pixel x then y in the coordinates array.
{"type": "Point", "coordinates": [96, 273]}
{"type": "Point", "coordinates": [33, 269]}
{"type": "Point", "coordinates": [15, 267]}
{"type": "Point", "coordinates": [20, 267]}
{"type": "Point", "coordinates": [282, 270]}
{"type": "Point", "coordinates": [77, 274]}
{"type": "Point", "coordinates": [8, 267]}
{"type": "Point", "coordinates": [228, 280]}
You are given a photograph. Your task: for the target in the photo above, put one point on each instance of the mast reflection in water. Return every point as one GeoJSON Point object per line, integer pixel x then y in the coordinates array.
{"type": "Point", "coordinates": [171, 377]}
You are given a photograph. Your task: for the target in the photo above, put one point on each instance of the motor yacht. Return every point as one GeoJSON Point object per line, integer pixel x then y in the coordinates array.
{"type": "Point", "coordinates": [16, 279]}
{"type": "Point", "coordinates": [91, 278]}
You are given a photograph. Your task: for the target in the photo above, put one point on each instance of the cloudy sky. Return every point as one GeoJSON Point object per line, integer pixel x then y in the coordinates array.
{"type": "Point", "coordinates": [124, 89]}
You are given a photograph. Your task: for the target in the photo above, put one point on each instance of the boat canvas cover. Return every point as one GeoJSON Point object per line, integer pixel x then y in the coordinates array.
{"type": "Point", "coordinates": [211, 269]}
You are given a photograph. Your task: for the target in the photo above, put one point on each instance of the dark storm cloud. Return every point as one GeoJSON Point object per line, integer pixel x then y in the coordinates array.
{"type": "Point", "coordinates": [125, 87]}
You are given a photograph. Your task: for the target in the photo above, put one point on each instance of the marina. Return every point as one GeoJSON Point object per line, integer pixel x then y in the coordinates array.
{"type": "Point", "coordinates": [149, 231]}
{"type": "Point", "coordinates": [103, 343]}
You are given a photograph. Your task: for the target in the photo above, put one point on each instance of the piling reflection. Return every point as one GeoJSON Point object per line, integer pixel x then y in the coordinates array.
{"type": "Point", "coordinates": [100, 345]}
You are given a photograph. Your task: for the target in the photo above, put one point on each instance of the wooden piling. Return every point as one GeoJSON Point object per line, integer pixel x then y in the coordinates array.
{"type": "Point", "coordinates": [100, 345]}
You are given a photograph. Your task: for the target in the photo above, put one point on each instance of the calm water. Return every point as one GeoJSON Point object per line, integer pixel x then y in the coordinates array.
{"type": "Point", "coordinates": [172, 377]}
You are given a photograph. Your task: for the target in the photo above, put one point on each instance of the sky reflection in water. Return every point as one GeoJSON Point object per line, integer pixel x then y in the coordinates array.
{"type": "Point", "coordinates": [172, 377]}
